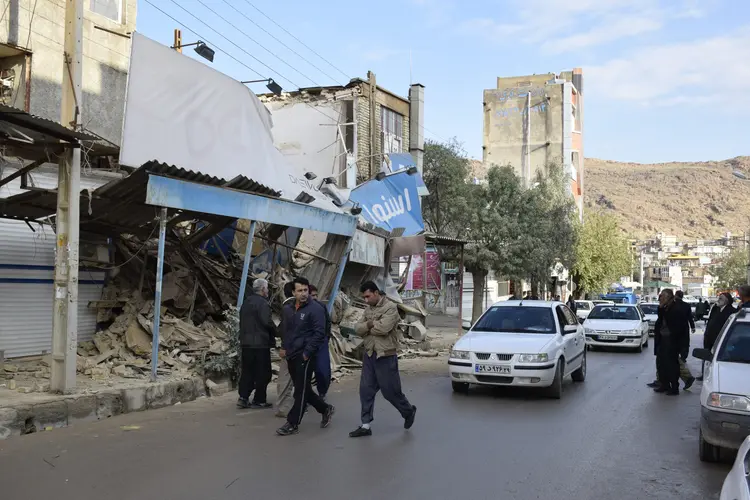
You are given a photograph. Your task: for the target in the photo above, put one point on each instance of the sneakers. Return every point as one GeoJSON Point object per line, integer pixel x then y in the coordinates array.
{"type": "Point", "coordinates": [260, 406]}
{"type": "Point", "coordinates": [689, 383]}
{"type": "Point", "coordinates": [654, 384]}
{"type": "Point", "coordinates": [409, 421]}
{"type": "Point", "coordinates": [661, 388]}
{"type": "Point", "coordinates": [360, 432]}
{"type": "Point", "coordinates": [280, 414]}
{"type": "Point", "coordinates": [287, 430]}
{"type": "Point", "coordinates": [243, 403]}
{"type": "Point", "coordinates": [327, 416]}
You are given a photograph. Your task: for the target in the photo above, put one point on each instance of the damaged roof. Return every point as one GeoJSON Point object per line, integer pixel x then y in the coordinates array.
{"type": "Point", "coordinates": [36, 125]}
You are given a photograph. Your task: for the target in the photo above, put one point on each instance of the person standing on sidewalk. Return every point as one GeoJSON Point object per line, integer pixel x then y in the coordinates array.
{"type": "Point", "coordinates": [284, 386]}
{"type": "Point", "coordinates": [323, 362]}
{"type": "Point", "coordinates": [719, 315]}
{"type": "Point", "coordinates": [303, 338]}
{"type": "Point", "coordinates": [572, 304]}
{"type": "Point", "coordinates": [257, 336]}
{"type": "Point", "coordinates": [670, 339]}
{"type": "Point", "coordinates": [685, 375]}
{"type": "Point", "coordinates": [380, 364]}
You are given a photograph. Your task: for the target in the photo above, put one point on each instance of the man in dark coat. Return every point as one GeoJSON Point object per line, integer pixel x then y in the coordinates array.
{"type": "Point", "coordinates": [323, 364]}
{"type": "Point", "coordinates": [716, 319]}
{"type": "Point", "coordinates": [685, 374]}
{"type": "Point", "coordinates": [671, 340]}
{"type": "Point", "coordinates": [744, 292]}
{"type": "Point", "coordinates": [572, 303]}
{"type": "Point", "coordinates": [257, 336]}
{"type": "Point", "coordinates": [303, 336]}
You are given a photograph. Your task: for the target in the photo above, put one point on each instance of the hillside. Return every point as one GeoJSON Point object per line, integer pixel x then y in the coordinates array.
{"type": "Point", "coordinates": [685, 199]}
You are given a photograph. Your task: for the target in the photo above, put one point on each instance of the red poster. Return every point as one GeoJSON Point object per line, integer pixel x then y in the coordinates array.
{"type": "Point", "coordinates": [433, 272]}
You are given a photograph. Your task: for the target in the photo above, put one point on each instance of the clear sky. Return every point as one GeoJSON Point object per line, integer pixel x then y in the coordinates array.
{"type": "Point", "coordinates": [664, 80]}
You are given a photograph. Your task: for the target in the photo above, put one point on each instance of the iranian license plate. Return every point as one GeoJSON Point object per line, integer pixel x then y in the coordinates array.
{"type": "Point", "coordinates": [496, 369]}
{"type": "Point", "coordinates": [607, 337]}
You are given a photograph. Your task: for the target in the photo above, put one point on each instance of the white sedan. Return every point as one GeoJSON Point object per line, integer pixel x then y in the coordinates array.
{"type": "Point", "coordinates": [583, 308]}
{"type": "Point", "coordinates": [651, 313]}
{"type": "Point", "coordinates": [617, 325]}
{"type": "Point", "coordinates": [520, 343]}
{"type": "Point", "coordinates": [725, 395]}
{"type": "Point", "coordinates": [737, 484]}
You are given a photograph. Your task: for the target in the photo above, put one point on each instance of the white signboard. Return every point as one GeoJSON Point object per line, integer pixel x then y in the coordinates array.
{"type": "Point", "coordinates": [368, 249]}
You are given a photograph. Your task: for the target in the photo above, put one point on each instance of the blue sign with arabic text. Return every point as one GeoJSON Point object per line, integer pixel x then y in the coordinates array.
{"type": "Point", "coordinates": [391, 203]}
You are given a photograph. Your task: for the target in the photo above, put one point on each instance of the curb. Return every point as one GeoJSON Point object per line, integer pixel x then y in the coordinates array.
{"type": "Point", "coordinates": [21, 419]}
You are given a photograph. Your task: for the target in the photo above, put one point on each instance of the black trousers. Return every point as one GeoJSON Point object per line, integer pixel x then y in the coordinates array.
{"type": "Point", "coordinates": [668, 363]}
{"type": "Point", "coordinates": [381, 374]}
{"type": "Point", "coordinates": [256, 373]}
{"type": "Point", "coordinates": [301, 372]}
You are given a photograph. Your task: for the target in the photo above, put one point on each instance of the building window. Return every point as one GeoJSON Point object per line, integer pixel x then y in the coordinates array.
{"type": "Point", "coordinates": [576, 119]}
{"type": "Point", "coordinates": [111, 9]}
{"type": "Point", "coordinates": [392, 131]}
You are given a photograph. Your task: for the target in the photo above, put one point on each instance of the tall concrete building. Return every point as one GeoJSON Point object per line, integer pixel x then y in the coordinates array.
{"type": "Point", "coordinates": [532, 121]}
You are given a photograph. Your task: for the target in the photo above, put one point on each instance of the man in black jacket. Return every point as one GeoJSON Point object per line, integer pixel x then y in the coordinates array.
{"type": "Point", "coordinates": [685, 374]}
{"type": "Point", "coordinates": [671, 340]}
{"type": "Point", "coordinates": [257, 333]}
{"type": "Point", "coordinates": [719, 315]}
{"type": "Point", "coordinates": [303, 337]}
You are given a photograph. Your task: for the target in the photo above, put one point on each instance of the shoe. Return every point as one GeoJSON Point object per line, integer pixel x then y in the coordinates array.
{"type": "Point", "coordinates": [655, 383]}
{"type": "Point", "coordinates": [243, 403]}
{"type": "Point", "coordinates": [280, 414]}
{"type": "Point", "coordinates": [327, 416]}
{"type": "Point", "coordinates": [689, 383]}
{"type": "Point", "coordinates": [673, 392]}
{"type": "Point", "coordinates": [699, 379]}
{"type": "Point", "coordinates": [287, 430]}
{"type": "Point", "coordinates": [660, 388]}
{"type": "Point", "coordinates": [260, 406]}
{"type": "Point", "coordinates": [360, 432]}
{"type": "Point", "coordinates": [409, 421]}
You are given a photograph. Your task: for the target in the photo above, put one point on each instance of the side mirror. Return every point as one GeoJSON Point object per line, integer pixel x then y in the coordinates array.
{"type": "Point", "coordinates": [569, 329]}
{"type": "Point", "coordinates": [703, 354]}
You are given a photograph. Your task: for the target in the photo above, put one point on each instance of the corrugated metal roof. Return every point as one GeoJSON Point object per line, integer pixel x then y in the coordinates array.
{"type": "Point", "coordinates": [41, 125]}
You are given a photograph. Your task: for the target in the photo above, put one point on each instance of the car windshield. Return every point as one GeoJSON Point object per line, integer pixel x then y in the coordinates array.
{"type": "Point", "coordinates": [517, 319]}
{"type": "Point", "coordinates": [650, 308]}
{"type": "Point", "coordinates": [736, 345]}
{"type": "Point", "coordinates": [614, 312]}
{"type": "Point", "coordinates": [584, 306]}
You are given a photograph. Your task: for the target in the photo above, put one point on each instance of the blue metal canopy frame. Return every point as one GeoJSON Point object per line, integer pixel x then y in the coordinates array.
{"type": "Point", "coordinates": [178, 194]}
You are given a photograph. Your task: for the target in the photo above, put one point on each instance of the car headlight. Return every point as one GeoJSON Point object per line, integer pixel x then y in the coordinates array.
{"type": "Point", "coordinates": [460, 354]}
{"type": "Point", "coordinates": [533, 358]}
{"type": "Point", "coordinates": [634, 332]}
{"type": "Point", "coordinates": [589, 331]}
{"type": "Point", "coordinates": [728, 402]}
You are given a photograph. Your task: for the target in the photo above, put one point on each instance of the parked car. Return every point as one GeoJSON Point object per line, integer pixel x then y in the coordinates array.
{"type": "Point", "coordinates": [737, 483]}
{"type": "Point", "coordinates": [616, 325]}
{"type": "Point", "coordinates": [650, 312]}
{"type": "Point", "coordinates": [520, 343]}
{"type": "Point", "coordinates": [600, 302]}
{"type": "Point", "coordinates": [583, 308]}
{"type": "Point", "coordinates": [725, 396]}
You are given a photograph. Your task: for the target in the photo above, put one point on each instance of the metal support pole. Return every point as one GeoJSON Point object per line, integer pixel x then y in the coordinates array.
{"type": "Point", "coordinates": [157, 295]}
{"type": "Point", "coordinates": [65, 305]}
{"type": "Point", "coordinates": [461, 291]}
{"type": "Point", "coordinates": [424, 277]}
{"type": "Point", "coordinates": [246, 264]}
{"type": "Point", "coordinates": [339, 275]}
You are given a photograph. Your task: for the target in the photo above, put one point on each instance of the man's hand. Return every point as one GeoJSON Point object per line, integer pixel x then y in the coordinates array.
{"type": "Point", "coordinates": [282, 353]}
{"type": "Point", "coordinates": [370, 324]}
{"type": "Point", "coordinates": [305, 356]}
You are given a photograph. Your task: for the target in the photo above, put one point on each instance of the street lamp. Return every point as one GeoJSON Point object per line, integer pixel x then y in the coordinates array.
{"type": "Point", "coordinates": [741, 175]}
{"type": "Point", "coordinates": [201, 49]}
{"type": "Point", "coordinates": [271, 85]}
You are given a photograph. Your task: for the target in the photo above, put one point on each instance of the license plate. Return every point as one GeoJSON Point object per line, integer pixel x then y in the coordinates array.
{"type": "Point", "coordinates": [499, 370]}
{"type": "Point", "coordinates": [607, 337]}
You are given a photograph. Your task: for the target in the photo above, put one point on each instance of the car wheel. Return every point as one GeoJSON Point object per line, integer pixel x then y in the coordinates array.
{"type": "Point", "coordinates": [639, 349]}
{"type": "Point", "coordinates": [461, 387]}
{"type": "Point", "coordinates": [580, 374]}
{"type": "Point", "coordinates": [646, 343]}
{"type": "Point", "coordinates": [706, 451]}
{"type": "Point", "coordinates": [556, 389]}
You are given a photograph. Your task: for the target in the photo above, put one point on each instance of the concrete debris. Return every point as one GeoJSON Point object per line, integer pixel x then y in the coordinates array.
{"type": "Point", "coordinates": [10, 368]}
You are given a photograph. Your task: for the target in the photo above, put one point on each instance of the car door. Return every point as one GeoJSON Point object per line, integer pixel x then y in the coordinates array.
{"type": "Point", "coordinates": [643, 325]}
{"type": "Point", "coordinates": [573, 343]}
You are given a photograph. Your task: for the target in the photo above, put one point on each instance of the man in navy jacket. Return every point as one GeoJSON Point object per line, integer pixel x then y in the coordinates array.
{"type": "Point", "coordinates": [303, 336]}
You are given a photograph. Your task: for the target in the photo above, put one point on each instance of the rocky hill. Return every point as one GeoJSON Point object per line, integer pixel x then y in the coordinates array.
{"type": "Point", "coordinates": [693, 200]}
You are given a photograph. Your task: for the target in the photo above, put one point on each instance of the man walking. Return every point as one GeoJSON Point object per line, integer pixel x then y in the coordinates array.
{"type": "Point", "coordinates": [685, 375]}
{"type": "Point", "coordinates": [303, 337]}
{"type": "Point", "coordinates": [380, 365]}
{"type": "Point", "coordinates": [257, 336]}
{"type": "Point", "coordinates": [719, 315]}
{"type": "Point", "coordinates": [572, 304]}
{"type": "Point", "coordinates": [323, 362]}
{"type": "Point", "coordinates": [284, 386]}
{"type": "Point", "coordinates": [744, 292]}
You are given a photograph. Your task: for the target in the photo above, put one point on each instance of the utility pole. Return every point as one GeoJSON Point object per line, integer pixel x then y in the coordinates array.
{"type": "Point", "coordinates": [177, 41]}
{"type": "Point", "coordinates": [65, 308]}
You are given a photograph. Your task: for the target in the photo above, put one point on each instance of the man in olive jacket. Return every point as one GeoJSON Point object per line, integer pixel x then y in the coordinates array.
{"type": "Point", "coordinates": [380, 364]}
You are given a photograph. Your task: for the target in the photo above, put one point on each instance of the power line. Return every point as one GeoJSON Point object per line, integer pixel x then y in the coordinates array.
{"type": "Point", "coordinates": [256, 42]}
{"type": "Point", "coordinates": [300, 41]}
{"type": "Point", "coordinates": [278, 40]}
{"type": "Point", "coordinates": [204, 38]}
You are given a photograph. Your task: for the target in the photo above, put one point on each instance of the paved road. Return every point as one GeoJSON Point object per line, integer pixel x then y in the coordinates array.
{"type": "Point", "coordinates": [608, 438]}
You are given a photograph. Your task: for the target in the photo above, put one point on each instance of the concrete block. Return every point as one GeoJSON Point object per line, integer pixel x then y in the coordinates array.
{"type": "Point", "coordinates": [184, 391]}
{"type": "Point", "coordinates": [109, 404]}
{"type": "Point", "coordinates": [134, 399]}
{"type": "Point", "coordinates": [200, 387]}
{"type": "Point", "coordinates": [8, 423]}
{"type": "Point", "coordinates": [218, 388]}
{"type": "Point", "coordinates": [160, 395]}
{"type": "Point", "coordinates": [81, 408]}
{"type": "Point", "coordinates": [52, 414]}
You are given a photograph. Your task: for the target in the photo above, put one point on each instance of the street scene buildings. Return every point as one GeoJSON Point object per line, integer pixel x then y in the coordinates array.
{"type": "Point", "coordinates": [195, 251]}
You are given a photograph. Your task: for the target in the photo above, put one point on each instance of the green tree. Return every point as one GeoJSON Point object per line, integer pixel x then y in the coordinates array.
{"type": "Point", "coordinates": [446, 170]}
{"type": "Point", "coordinates": [731, 270]}
{"type": "Point", "coordinates": [602, 253]}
